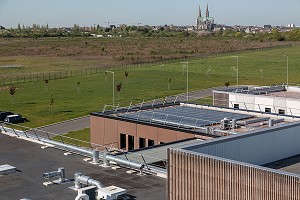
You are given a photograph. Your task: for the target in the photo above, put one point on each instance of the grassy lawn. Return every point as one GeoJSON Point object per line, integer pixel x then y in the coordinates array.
{"type": "Point", "coordinates": [204, 101]}
{"type": "Point", "coordinates": [83, 135]}
{"type": "Point", "coordinates": [145, 83]}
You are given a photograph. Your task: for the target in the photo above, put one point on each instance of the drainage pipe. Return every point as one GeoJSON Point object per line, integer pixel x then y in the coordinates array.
{"type": "Point", "coordinates": [69, 147]}
{"type": "Point", "coordinates": [106, 158]}
{"type": "Point", "coordinates": [252, 121]}
{"type": "Point", "coordinates": [124, 162]}
{"type": "Point", "coordinates": [274, 121]}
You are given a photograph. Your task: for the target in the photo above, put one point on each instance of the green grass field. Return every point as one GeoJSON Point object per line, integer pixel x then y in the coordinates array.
{"type": "Point", "coordinates": [81, 135]}
{"type": "Point", "coordinates": [32, 100]}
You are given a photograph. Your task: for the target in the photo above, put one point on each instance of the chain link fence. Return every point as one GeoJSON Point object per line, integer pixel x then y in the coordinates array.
{"type": "Point", "coordinates": [35, 77]}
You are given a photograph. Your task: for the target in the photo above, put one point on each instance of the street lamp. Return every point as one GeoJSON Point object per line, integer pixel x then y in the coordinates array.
{"type": "Point", "coordinates": [287, 69]}
{"type": "Point", "coordinates": [113, 73]}
{"type": "Point", "coordinates": [261, 74]}
{"type": "Point", "coordinates": [187, 79]}
{"type": "Point", "coordinates": [237, 70]}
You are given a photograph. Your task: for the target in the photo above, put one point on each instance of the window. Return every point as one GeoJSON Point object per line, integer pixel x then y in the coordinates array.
{"type": "Point", "coordinates": [236, 106]}
{"type": "Point", "coordinates": [130, 142]}
{"type": "Point", "coordinates": [161, 142]}
{"type": "Point", "coordinates": [268, 110]}
{"type": "Point", "coordinates": [150, 143]}
{"type": "Point", "coordinates": [281, 112]}
{"type": "Point", "coordinates": [142, 143]}
{"type": "Point", "coordinates": [122, 141]}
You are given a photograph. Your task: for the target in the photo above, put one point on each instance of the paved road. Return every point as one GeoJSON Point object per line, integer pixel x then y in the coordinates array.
{"type": "Point", "coordinates": [84, 122]}
{"type": "Point", "coordinates": [67, 126]}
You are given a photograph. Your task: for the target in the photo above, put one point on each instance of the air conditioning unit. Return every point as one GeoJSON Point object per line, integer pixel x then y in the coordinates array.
{"type": "Point", "coordinates": [225, 124]}
{"type": "Point", "coordinates": [112, 193]}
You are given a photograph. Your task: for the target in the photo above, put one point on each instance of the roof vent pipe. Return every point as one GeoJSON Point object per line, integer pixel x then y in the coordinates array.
{"type": "Point", "coordinates": [59, 173]}
{"type": "Point", "coordinates": [233, 123]}
{"type": "Point", "coordinates": [95, 156]}
{"type": "Point", "coordinates": [270, 122]}
{"type": "Point", "coordinates": [105, 161]}
{"type": "Point", "coordinates": [207, 129]}
{"type": "Point", "coordinates": [76, 180]}
{"type": "Point", "coordinates": [80, 179]}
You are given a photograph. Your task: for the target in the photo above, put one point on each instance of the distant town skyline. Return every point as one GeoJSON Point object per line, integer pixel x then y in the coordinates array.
{"type": "Point", "coordinates": [66, 13]}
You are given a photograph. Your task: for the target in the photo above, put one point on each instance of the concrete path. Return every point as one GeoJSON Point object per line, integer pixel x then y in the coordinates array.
{"type": "Point", "coordinates": [67, 126]}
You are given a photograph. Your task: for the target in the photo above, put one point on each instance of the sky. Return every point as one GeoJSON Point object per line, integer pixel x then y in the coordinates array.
{"type": "Point", "coordinates": [66, 13]}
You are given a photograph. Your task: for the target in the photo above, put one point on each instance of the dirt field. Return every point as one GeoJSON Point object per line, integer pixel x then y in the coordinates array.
{"type": "Point", "coordinates": [74, 53]}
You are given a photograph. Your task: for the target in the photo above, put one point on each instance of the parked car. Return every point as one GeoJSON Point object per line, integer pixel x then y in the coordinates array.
{"type": "Point", "coordinates": [14, 119]}
{"type": "Point", "coordinates": [4, 114]}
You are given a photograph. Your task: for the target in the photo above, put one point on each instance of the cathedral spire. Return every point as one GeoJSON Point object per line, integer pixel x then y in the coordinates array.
{"type": "Point", "coordinates": [207, 11]}
{"type": "Point", "coordinates": [199, 15]}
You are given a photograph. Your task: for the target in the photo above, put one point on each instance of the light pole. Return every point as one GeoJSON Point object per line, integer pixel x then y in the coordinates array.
{"type": "Point", "coordinates": [187, 79]}
{"type": "Point", "coordinates": [237, 70]}
{"type": "Point", "coordinates": [261, 74]}
{"type": "Point", "coordinates": [113, 73]}
{"type": "Point", "coordinates": [287, 70]}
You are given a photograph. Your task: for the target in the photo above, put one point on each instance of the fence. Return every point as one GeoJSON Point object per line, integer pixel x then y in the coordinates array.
{"type": "Point", "coordinates": [34, 77]}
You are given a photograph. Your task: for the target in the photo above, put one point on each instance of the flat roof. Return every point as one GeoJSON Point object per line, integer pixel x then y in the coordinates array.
{"type": "Point", "coordinates": [291, 164]}
{"type": "Point", "coordinates": [255, 90]}
{"type": "Point", "coordinates": [285, 94]}
{"type": "Point", "coordinates": [31, 161]}
{"type": "Point", "coordinates": [197, 119]}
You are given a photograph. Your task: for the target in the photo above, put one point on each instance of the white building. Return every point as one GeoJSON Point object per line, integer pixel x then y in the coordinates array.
{"type": "Point", "coordinates": [280, 100]}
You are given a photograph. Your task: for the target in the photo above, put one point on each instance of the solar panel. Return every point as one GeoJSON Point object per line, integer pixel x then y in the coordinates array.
{"type": "Point", "coordinates": [184, 116]}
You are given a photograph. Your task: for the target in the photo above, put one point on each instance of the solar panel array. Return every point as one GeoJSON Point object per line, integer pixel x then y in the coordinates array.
{"type": "Point", "coordinates": [184, 116]}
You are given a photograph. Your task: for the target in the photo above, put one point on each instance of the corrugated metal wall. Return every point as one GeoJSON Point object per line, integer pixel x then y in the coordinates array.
{"type": "Point", "coordinates": [194, 176]}
{"type": "Point", "coordinates": [256, 148]}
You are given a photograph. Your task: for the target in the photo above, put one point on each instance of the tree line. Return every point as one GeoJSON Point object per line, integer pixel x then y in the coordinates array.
{"type": "Point", "coordinates": [36, 31]}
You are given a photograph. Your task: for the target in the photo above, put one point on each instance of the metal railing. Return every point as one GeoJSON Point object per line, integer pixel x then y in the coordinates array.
{"type": "Point", "coordinates": [38, 135]}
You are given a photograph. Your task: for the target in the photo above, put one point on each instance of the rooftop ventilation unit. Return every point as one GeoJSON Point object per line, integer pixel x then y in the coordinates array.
{"type": "Point", "coordinates": [7, 169]}
{"type": "Point", "coordinates": [60, 173]}
{"type": "Point", "coordinates": [87, 185]}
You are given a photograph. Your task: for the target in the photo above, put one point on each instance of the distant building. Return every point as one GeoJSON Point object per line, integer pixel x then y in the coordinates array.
{"type": "Point", "coordinates": [291, 25]}
{"type": "Point", "coordinates": [204, 23]}
{"type": "Point", "coordinates": [280, 100]}
{"type": "Point", "coordinates": [112, 27]}
{"type": "Point", "coordinates": [268, 27]}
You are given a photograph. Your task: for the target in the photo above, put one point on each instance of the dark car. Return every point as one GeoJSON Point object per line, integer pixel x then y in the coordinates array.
{"type": "Point", "coordinates": [4, 114]}
{"type": "Point", "coordinates": [14, 119]}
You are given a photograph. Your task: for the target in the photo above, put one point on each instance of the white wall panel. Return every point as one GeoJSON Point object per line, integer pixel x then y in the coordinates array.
{"type": "Point", "coordinates": [257, 148]}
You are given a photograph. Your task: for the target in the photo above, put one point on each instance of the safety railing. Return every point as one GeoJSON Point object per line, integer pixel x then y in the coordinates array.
{"type": "Point", "coordinates": [39, 135]}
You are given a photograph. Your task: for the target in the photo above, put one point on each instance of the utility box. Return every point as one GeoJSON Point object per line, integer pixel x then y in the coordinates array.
{"type": "Point", "coordinates": [111, 193]}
